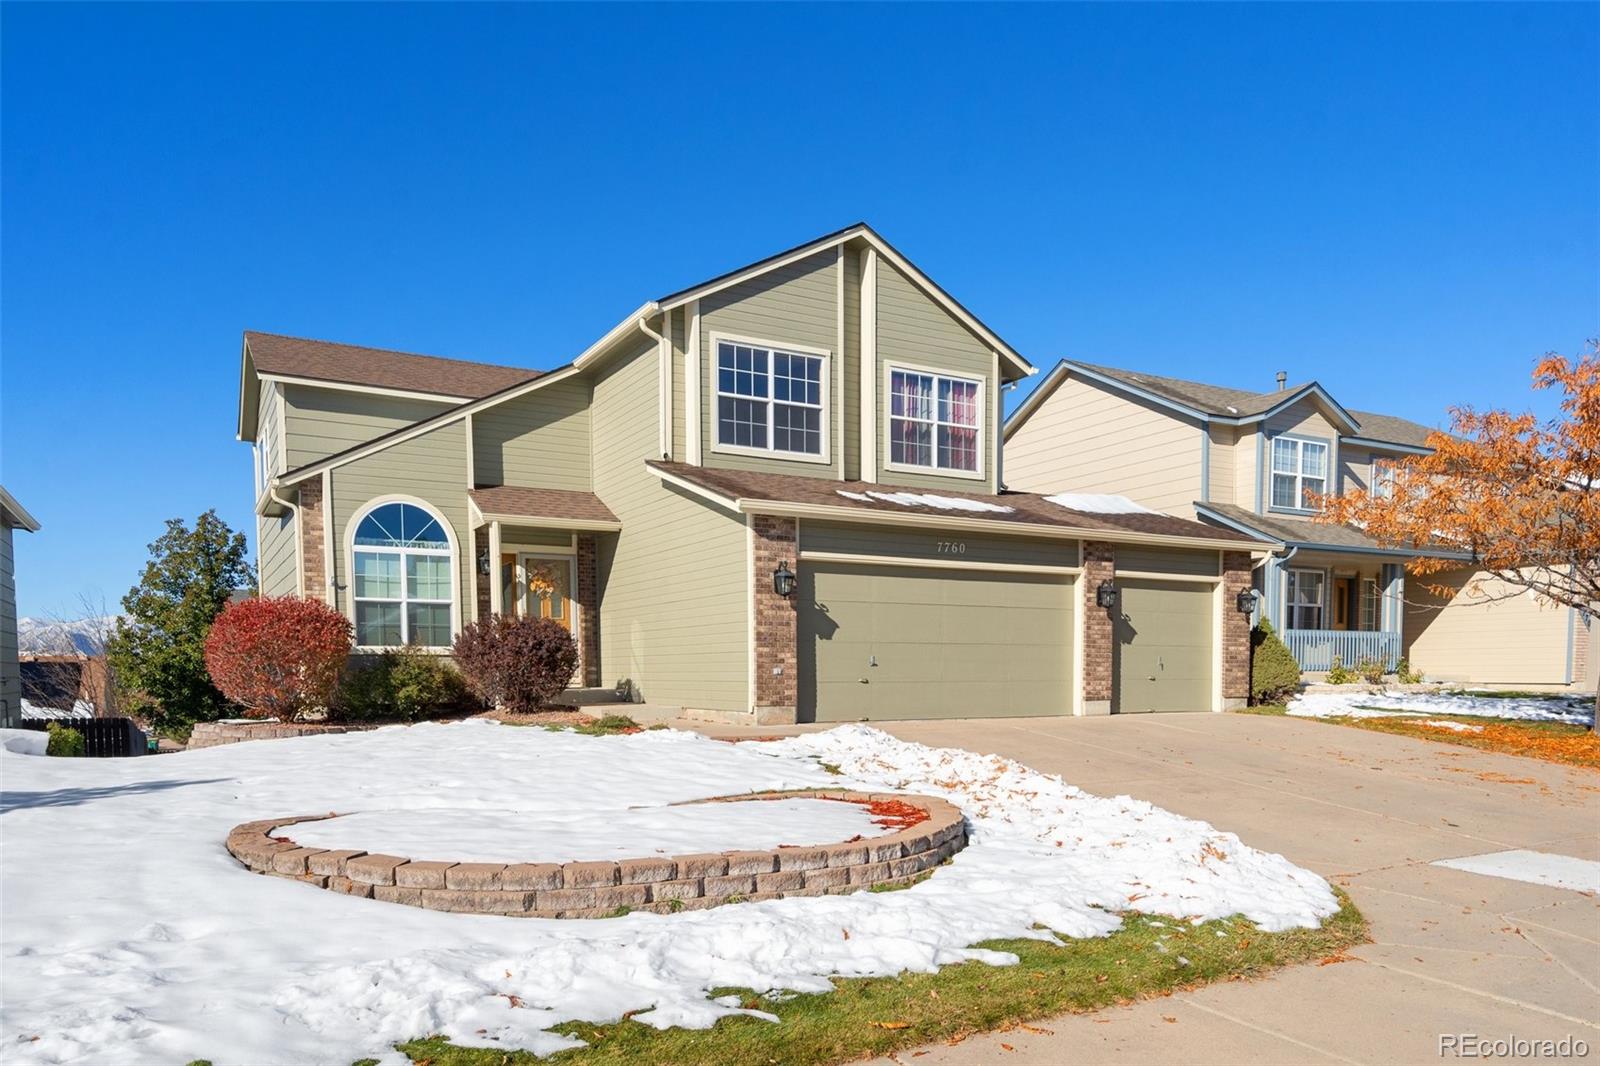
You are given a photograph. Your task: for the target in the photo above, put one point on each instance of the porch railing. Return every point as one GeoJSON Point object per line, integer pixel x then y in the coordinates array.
{"type": "Point", "coordinates": [1314, 649]}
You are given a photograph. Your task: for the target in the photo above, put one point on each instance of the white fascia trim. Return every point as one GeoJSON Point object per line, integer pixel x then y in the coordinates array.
{"type": "Point", "coordinates": [378, 390]}
{"type": "Point", "coordinates": [244, 363]}
{"type": "Point", "coordinates": [921, 280]}
{"type": "Point", "coordinates": [588, 525]}
{"type": "Point", "coordinates": [474, 513]}
{"type": "Point", "coordinates": [869, 365]}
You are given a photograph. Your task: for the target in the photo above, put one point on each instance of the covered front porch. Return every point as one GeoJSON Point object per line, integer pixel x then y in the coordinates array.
{"type": "Point", "coordinates": [1333, 607]}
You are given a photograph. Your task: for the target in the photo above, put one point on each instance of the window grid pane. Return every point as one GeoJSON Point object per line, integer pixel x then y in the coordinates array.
{"type": "Point", "coordinates": [933, 421]}
{"type": "Point", "coordinates": [769, 400]}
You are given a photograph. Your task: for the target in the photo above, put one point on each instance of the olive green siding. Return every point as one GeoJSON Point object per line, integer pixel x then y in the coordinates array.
{"type": "Point", "coordinates": [674, 594]}
{"type": "Point", "coordinates": [796, 304]}
{"type": "Point", "coordinates": [10, 679]}
{"type": "Point", "coordinates": [1163, 656]}
{"type": "Point", "coordinates": [1169, 561]}
{"type": "Point", "coordinates": [322, 422]}
{"type": "Point", "coordinates": [268, 439]}
{"type": "Point", "coordinates": [278, 555]}
{"type": "Point", "coordinates": [679, 323]}
{"type": "Point", "coordinates": [851, 366]}
{"type": "Point", "coordinates": [914, 329]}
{"type": "Point", "coordinates": [933, 545]}
{"type": "Point", "coordinates": [430, 468]}
{"type": "Point", "coordinates": [879, 641]}
{"type": "Point", "coordinates": [539, 439]}
{"type": "Point", "coordinates": [533, 537]}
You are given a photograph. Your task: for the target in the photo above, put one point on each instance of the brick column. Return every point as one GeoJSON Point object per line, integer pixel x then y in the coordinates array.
{"type": "Point", "coordinates": [480, 549]}
{"type": "Point", "coordinates": [1099, 631]}
{"type": "Point", "coordinates": [1235, 631]}
{"type": "Point", "coordinates": [588, 594]}
{"type": "Point", "coordinates": [774, 541]}
{"type": "Point", "coordinates": [313, 537]}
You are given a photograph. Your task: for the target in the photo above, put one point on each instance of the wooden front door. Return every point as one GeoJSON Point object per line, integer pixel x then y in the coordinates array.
{"type": "Point", "coordinates": [1343, 594]}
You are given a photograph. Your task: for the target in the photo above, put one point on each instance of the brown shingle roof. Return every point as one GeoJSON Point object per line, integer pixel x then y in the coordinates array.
{"type": "Point", "coordinates": [515, 500]}
{"type": "Point", "coordinates": [1025, 507]}
{"type": "Point", "coordinates": [351, 364]}
{"type": "Point", "coordinates": [1301, 531]}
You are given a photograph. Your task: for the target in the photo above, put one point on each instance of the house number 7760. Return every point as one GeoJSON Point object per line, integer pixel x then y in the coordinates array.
{"type": "Point", "coordinates": [952, 547]}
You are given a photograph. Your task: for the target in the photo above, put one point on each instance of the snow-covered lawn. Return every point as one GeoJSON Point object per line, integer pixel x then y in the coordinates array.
{"type": "Point", "coordinates": [128, 934]}
{"type": "Point", "coordinates": [1577, 710]}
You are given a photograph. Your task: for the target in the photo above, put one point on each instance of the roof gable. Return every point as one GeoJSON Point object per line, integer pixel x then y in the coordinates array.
{"type": "Point", "coordinates": [380, 368]}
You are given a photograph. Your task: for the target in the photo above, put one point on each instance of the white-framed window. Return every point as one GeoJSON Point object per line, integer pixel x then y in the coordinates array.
{"type": "Point", "coordinates": [772, 399]}
{"type": "Point", "coordinates": [1383, 478]}
{"type": "Point", "coordinates": [1303, 598]}
{"type": "Point", "coordinates": [1369, 605]}
{"type": "Point", "coordinates": [935, 421]}
{"type": "Point", "coordinates": [1299, 470]}
{"type": "Point", "coordinates": [402, 577]}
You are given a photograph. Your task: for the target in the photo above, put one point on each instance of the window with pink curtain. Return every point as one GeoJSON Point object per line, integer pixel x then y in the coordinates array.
{"type": "Point", "coordinates": [933, 421]}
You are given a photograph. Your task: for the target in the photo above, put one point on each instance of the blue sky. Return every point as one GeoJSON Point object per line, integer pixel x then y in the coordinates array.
{"type": "Point", "coordinates": [1398, 201]}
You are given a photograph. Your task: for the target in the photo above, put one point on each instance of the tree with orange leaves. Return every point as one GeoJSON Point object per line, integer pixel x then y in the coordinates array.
{"type": "Point", "coordinates": [1520, 495]}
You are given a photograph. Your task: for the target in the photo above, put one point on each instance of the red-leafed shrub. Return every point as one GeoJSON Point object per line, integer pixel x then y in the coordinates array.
{"type": "Point", "coordinates": [278, 657]}
{"type": "Point", "coordinates": [518, 663]}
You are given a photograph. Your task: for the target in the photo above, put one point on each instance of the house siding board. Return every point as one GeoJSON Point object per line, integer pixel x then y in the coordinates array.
{"type": "Point", "coordinates": [267, 437]}
{"type": "Point", "coordinates": [431, 468]}
{"type": "Point", "coordinates": [10, 672]}
{"type": "Point", "coordinates": [1355, 469]}
{"type": "Point", "coordinates": [679, 323]}
{"type": "Point", "coordinates": [913, 328]}
{"type": "Point", "coordinates": [1514, 641]}
{"type": "Point", "coordinates": [539, 440]}
{"type": "Point", "coordinates": [1245, 469]}
{"type": "Point", "coordinates": [674, 596]}
{"type": "Point", "coordinates": [322, 422]}
{"type": "Point", "coordinates": [277, 548]}
{"type": "Point", "coordinates": [1084, 438]}
{"type": "Point", "coordinates": [933, 546]}
{"type": "Point", "coordinates": [1168, 561]}
{"type": "Point", "coordinates": [796, 304]}
{"type": "Point", "coordinates": [1221, 485]}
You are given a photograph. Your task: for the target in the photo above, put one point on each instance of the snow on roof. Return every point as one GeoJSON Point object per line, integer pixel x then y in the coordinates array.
{"type": "Point", "coordinates": [926, 499]}
{"type": "Point", "coordinates": [1098, 503]}
{"type": "Point", "coordinates": [34, 712]}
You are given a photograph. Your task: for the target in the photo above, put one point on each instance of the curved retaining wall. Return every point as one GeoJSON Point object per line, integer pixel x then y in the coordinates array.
{"type": "Point", "coordinates": [602, 889]}
{"type": "Point", "coordinates": [211, 734]}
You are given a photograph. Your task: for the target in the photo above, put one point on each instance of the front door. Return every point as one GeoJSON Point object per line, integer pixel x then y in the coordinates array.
{"type": "Point", "coordinates": [544, 586]}
{"type": "Point", "coordinates": [1343, 594]}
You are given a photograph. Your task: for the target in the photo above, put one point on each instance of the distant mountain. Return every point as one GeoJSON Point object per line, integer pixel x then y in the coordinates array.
{"type": "Point", "coordinates": [49, 636]}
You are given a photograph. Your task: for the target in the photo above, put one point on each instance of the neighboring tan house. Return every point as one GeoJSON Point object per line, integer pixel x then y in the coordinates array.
{"type": "Point", "coordinates": [12, 516]}
{"type": "Point", "coordinates": [822, 423]}
{"type": "Point", "coordinates": [1246, 461]}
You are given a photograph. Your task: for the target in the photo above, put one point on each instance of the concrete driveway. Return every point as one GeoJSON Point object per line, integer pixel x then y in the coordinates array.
{"type": "Point", "coordinates": [1453, 952]}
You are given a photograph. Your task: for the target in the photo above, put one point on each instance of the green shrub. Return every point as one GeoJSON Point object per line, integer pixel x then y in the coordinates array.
{"type": "Point", "coordinates": [405, 684]}
{"type": "Point", "coordinates": [1405, 675]}
{"type": "Point", "coordinates": [64, 741]}
{"type": "Point", "coordinates": [1274, 675]}
{"type": "Point", "coordinates": [1339, 674]}
{"type": "Point", "coordinates": [1371, 670]}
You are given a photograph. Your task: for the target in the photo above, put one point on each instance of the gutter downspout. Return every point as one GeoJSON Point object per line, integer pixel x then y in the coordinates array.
{"type": "Point", "coordinates": [663, 384]}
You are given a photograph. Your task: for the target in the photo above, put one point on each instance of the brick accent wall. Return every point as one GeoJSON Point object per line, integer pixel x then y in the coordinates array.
{"type": "Point", "coordinates": [1099, 633]}
{"type": "Point", "coordinates": [1235, 631]}
{"type": "Point", "coordinates": [774, 541]}
{"type": "Point", "coordinates": [313, 537]}
{"type": "Point", "coordinates": [588, 593]}
{"type": "Point", "coordinates": [480, 548]}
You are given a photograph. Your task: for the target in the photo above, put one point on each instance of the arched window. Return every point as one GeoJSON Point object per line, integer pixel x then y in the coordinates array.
{"type": "Point", "coordinates": [402, 578]}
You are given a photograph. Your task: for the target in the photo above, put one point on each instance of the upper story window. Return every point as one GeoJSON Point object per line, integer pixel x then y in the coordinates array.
{"type": "Point", "coordinates": [935, 421]}
{"type": "Point", "coordinates": [1299, 471]}
{"type": "Point", "coordinates": [402, 578]}
{"type": "Point", "coordinates": [772, 399]}
{"type": "Point", "coordinates": [1383, 478]}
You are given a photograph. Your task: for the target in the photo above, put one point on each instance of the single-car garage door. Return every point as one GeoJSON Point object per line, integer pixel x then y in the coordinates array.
{"type": "Point", "coordinates": [885, 641]}
{"type": "Point", "coordinates": [1163, 659]}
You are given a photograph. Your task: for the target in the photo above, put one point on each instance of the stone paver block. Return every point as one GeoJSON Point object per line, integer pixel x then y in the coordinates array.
{"type": "Point", "coordinates": [557, 899]}
{"type": "Point", "coordinates": [411, 897]}
{"type": "Point", "coordinates": [531, 876]}
{"type": "Point", "coordinates": [886, 849]}
{"type": "Point", "coordinates": [830, 877]}
{"type": "Point", "coordinates": [588, 874]}
{"type": "Point", "coordinates": [611, 897]}
{"type": "Point", "coordinates": [292, 861]}
{"type": "Point", "coordinates": [702, 866]}
{"type": "Point", "coordinates": [869, 873]}
{"type": "Point", "coordinates": [670, 890]}
{"type": "Point", "coordinates": [421, 874]}
{"type": "Point", "coordinates": [802, 858]}
{"type": "Point", "coordinates": [349, 887]}
{"type": "Point", "coordinates": [846, 854]}
{"type": "Point", "coordinates": [732, 885]}
{"type": "Point", "coordinates": [751, 862]}
{"type": "Point", "coordinates": [331, 863]}
{"type": "Point", "coordinates": [483, 876]}
{"type": "Point", "coordinates": [780, 881]}
{"type": "Point", "coordinates": [644, 871]}
{"type": "Point", "coordinates": [373, 869]}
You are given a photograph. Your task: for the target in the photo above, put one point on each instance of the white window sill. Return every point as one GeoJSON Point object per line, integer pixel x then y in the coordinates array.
{"type": "Point", "coordinates": [935, 471]}
{"type": "Point", "coordinates": [769, 453]}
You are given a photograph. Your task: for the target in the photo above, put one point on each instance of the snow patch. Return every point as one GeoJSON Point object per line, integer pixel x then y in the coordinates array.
{"type": "Point", "coordinates": [24, 741]}
{"type": "Point", "coordinates": [927, 499]}
{"type": "Point", "coordinates": [1575, 709]}
{"type": "Point", "coordinates": [1534, 867]}
{"type": "Point", "coordinates": [1098, 503]}
{"type": "Point", "coordinates": [1455, 727]}
{"type": "Point", "coordinates": [156, 946]}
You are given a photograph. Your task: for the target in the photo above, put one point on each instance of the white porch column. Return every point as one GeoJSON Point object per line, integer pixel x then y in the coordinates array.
{"type": "Point", "coordinates": [495, 594]}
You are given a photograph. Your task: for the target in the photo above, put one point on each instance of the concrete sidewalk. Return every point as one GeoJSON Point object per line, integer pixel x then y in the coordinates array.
{"type": "Point", "coordinates": [1453, 952]}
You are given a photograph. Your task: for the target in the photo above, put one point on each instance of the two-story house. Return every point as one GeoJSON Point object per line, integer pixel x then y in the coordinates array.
{"type": "Point", "coordinates": [1253, 462]}
{"type": "Point", "coordinates": [777, 494]}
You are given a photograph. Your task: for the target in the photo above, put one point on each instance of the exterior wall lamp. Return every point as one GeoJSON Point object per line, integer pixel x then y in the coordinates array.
{"type": "Point", "coordinates": [1245, 602]}
{"type": "Point", "coordinates": [483, 562]}
{"type": "Point", "coordinates": [783, 580]}
{"type": "Point", "coordinates": [1105, 595]}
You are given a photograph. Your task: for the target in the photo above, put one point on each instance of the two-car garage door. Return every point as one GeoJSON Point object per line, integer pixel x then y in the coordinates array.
{"type": "Point", "coordinates": [885, 641]}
